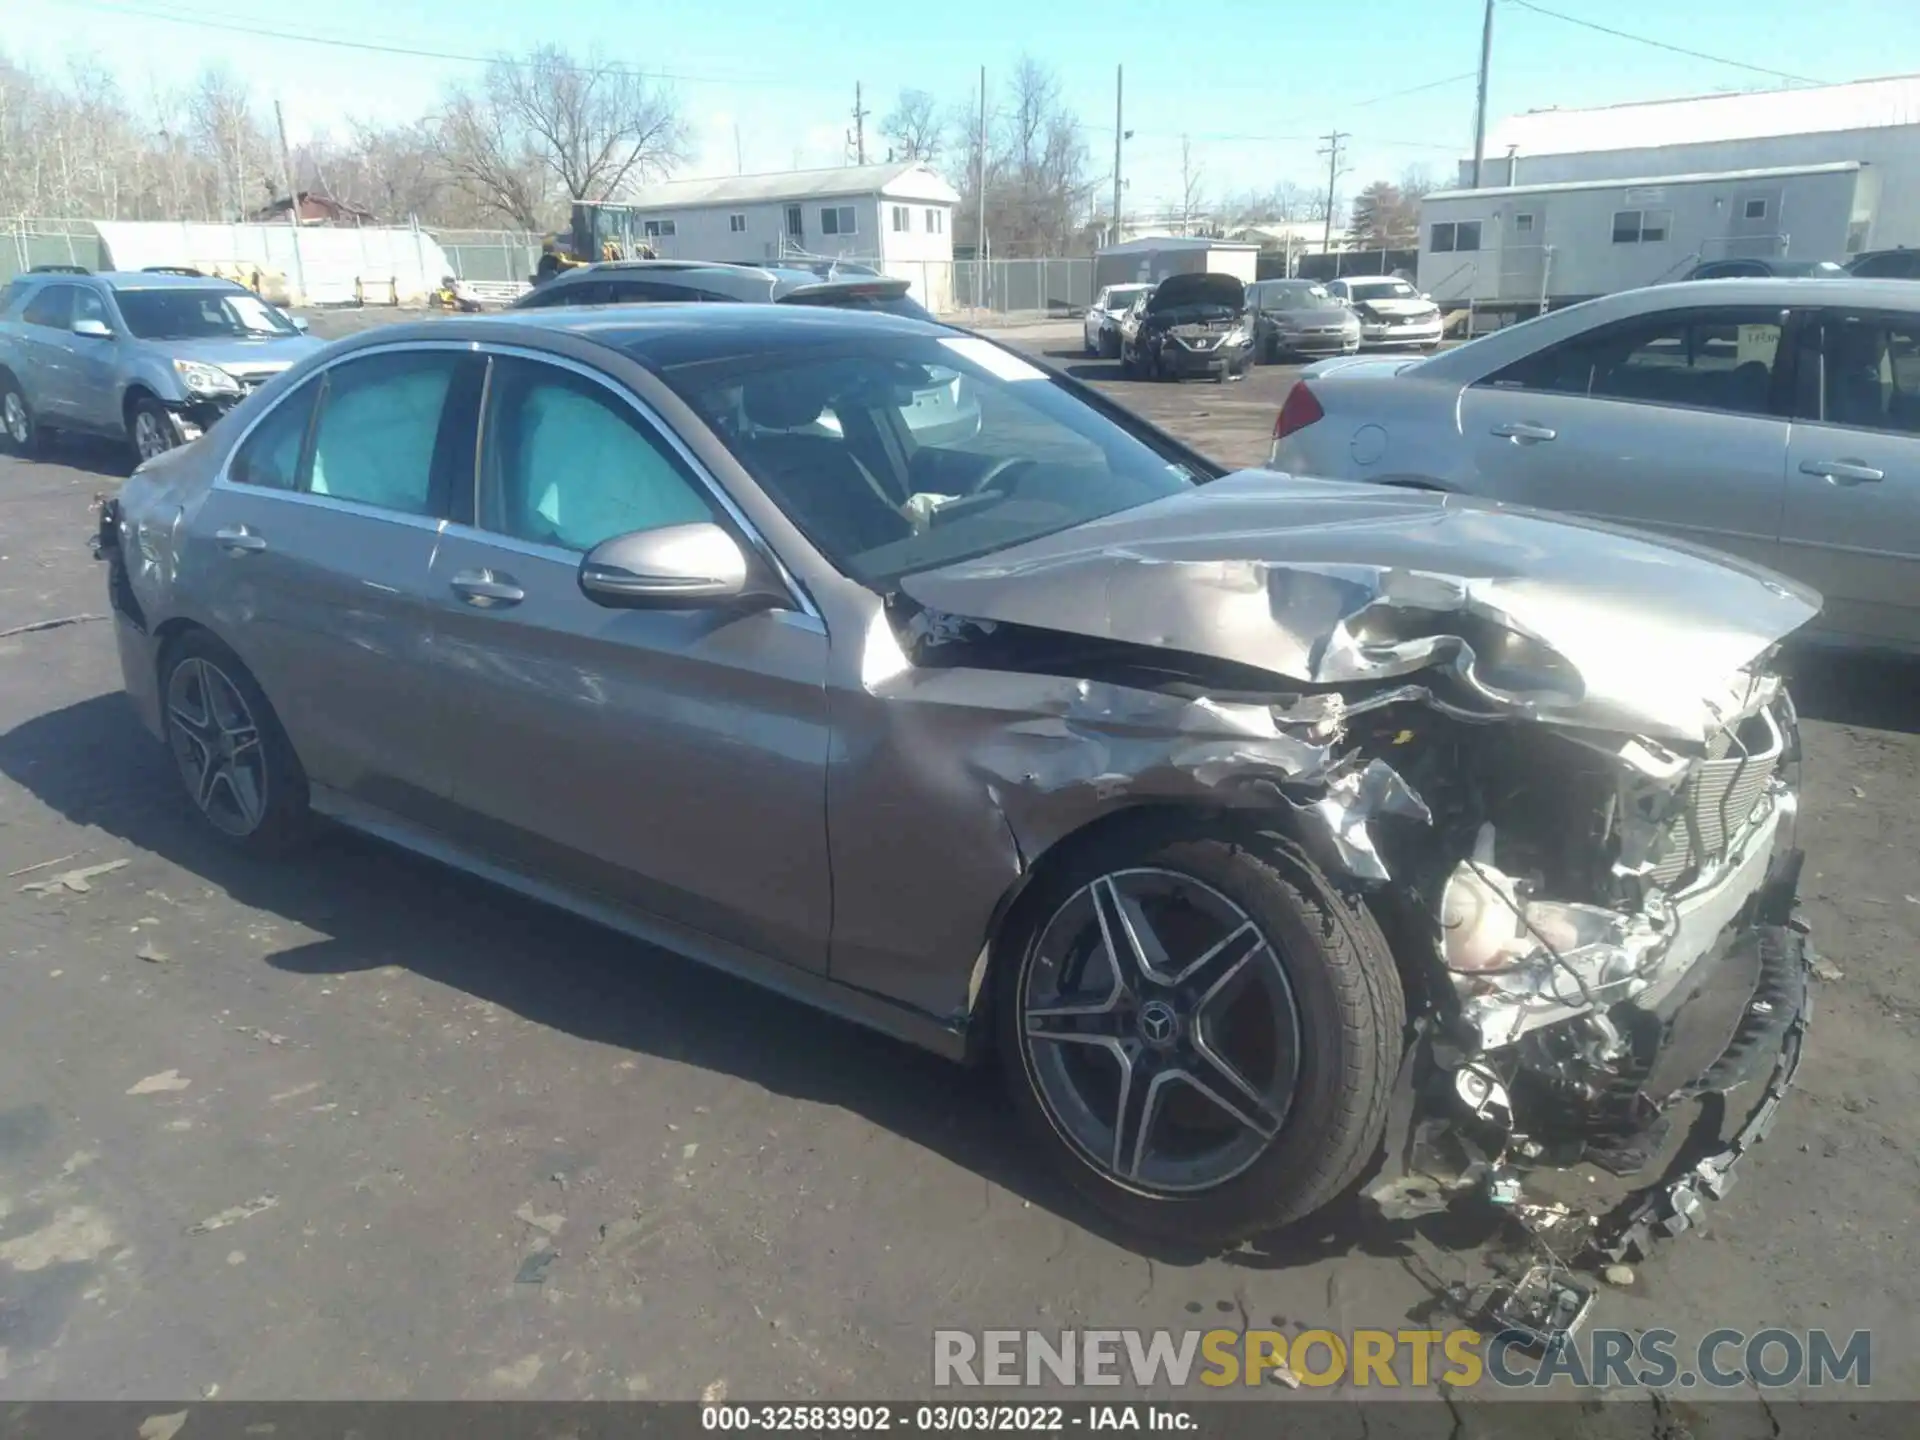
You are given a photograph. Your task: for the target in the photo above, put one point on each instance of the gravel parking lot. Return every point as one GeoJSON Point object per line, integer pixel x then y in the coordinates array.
{"type": "Point", "coordinates": [362, 1127]}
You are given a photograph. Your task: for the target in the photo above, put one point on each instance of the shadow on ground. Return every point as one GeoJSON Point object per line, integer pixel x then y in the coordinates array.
{"type": "Point", "coordinates": [1880, 692]}
{"type": "Point", "coordinates": [378, 906]}
{"type": "Point", "coordinates": [94, 454]}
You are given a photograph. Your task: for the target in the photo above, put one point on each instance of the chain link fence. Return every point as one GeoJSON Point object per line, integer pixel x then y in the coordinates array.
{"type": "Point", "coordinates": [490, 256]}
{"type": "Point", "coordinates": [30, 242]}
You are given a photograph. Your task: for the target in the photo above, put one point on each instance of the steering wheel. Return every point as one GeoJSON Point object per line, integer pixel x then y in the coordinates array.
{"type": "Point", "coordinates": [994, 471]}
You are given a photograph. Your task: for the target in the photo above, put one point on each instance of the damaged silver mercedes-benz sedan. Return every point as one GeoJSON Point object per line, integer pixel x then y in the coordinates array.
{"type": "Point", "coordinates": [1278, 837]}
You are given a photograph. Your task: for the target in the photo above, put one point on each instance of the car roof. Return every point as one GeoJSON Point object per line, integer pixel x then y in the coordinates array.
{"type": "Point", "coordinates": [664, 335]}
{"type": "Point", "coordinates": [154, 280]}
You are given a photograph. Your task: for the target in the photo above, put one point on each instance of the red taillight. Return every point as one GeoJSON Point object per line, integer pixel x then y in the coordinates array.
{"type": "Point", "coordinates": [1299, 410]}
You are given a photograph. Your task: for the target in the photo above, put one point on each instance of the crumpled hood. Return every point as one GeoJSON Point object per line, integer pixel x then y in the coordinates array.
{"type": "Point", "coordinates": [1326, 583]}
{"type": "Point", "coordinates": [267, 355]}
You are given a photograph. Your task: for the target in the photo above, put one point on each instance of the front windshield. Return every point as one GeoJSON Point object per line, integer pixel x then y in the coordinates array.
{"type": "Point", "coordinates": [194, 314]}
{"type": "Point", "coordinates": [1382, 290]}
{"type": "Point", "coordinates": [916, 451]}
{"type": "Point", "coordinates": [1300, 297]}
{"type": "Point", "coordinates": [1121, 297]}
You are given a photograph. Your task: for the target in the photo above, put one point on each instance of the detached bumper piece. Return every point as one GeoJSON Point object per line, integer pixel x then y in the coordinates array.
{"type": "Point", "coordinates": [1774, 1031]}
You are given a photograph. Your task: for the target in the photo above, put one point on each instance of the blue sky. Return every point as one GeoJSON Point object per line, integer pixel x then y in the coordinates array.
{"type": "Point", "coordinates": [1251, 83]}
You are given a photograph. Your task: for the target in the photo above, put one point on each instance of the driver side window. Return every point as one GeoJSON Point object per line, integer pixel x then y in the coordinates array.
{"type": "Point", "coordinates": [565, 462]}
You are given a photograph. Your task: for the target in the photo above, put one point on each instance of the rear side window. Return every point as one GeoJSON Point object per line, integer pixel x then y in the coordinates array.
{"type": "Point", "coordinates": [270, 456]}
{"type": "Point", "coordinates": [52, 307]}
{"type": "Point", "coordinates": [379, 428]}
{"type": "Point", "coordinates": [1706, 360]}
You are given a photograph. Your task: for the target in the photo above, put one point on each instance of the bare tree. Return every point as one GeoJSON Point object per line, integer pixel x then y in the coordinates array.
{"type": "Point", "coordinates": [1038, 194]}
{"type": "Point", "coordinates": [914, 127]}
{"type": "Point", "coordinates": [545, 130]}
{"type": "Point", "coordinates": [230, 142]}
{"type": "Point", "coordinates": [1384, 218]}
{"type": "Point", "coordinates": [1192, 196]}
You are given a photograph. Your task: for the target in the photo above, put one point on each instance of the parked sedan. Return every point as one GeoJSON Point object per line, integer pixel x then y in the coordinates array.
{"type": "Point", "coordinates": [147, 358]}
{"type": "Point", "coordinates": [1300, 317]}
{"type": "Point", "coordinates": [1100, 326]}
{"type": "Point", "coordinates": [1053, 743]}
{"type": "Point", "coordinates": [1393, 315]}
{"type": "Point", "coordinates": [1775, 419]}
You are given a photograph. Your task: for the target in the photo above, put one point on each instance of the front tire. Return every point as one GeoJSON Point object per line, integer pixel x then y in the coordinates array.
{"type": "Point", "coordinates": [1202, 1032]}
{"type": "Point", "coordinates": [151, 430]}
{"type": "Point", "coordinates": [234, 759]}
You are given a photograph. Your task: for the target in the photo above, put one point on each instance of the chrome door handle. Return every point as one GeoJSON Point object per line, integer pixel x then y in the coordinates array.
{"type": "Point", "coordinates": [1519, 430]}
{"type": "Point", "coordinates": [487, 589]}
{"type": "Point", "coordinates": [1842, 472]}
{"type": "Point", "coordinates": [239, 540]}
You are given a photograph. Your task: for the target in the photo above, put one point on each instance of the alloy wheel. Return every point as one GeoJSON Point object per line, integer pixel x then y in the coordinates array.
{"type": "Point", "coordinates": [19, 425]}
{"type": "Point", "coordinates": [216, 743]}
{"type": "Point", "coordinates": [1159, 1031]}
{"type": "Point", "coordinates": [151, 434]}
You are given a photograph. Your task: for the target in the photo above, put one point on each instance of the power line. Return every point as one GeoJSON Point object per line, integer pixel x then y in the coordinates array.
{"type": "Point", "coordinates": [267, 32]}
{"type": "Point", "coordinates": [1663, 45]}
{"type": "Point", "coordinates": [1416, 89]}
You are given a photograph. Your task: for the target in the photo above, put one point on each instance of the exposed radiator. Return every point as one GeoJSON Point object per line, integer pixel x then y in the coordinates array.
{"type": "Point", "coordinates": [1719, 797]}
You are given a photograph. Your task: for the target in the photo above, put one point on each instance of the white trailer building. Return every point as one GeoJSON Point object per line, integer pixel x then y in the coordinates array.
{"type": "Point", "coordinates": [1524, 246]}
{"type": "Point", "coordinates": [897, 218]}
{"type": "Point", "coordinates": [1875, 122]}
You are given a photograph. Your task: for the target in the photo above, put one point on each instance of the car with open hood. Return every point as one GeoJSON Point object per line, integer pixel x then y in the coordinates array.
{"type": "Point", "coordinates": [148, 358]}
{"type": "Point", "coordinates": [1393, 315]}
{"type": "Point", "coordinates": [1255, 827]}
{"type": "Point", "coordinates": [1188, 325]}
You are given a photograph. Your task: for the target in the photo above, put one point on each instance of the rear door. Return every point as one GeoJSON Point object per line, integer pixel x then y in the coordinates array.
{"type": "Point", "coordinates": [314, 549]}
{"type": "Point", "coordinates": [1852, 522]}
{"type": "Point", "coordinates": [670, 761]}
{"type": "Point", "coordinates": [1674, 422]}
{"type": "Point", "coordinates": [46, 332]}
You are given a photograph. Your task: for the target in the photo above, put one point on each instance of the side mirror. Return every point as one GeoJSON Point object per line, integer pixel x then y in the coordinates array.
{"type": "Point", "coordinates": [674, 567]}
{"type": "Point", "coordinates": [93, 329]}
{"type": "Point", "coordinates": [299, 323]}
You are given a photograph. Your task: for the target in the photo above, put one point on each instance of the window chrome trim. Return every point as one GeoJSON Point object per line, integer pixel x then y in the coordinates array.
{"type": "Point", "coordinates": [656, 425]}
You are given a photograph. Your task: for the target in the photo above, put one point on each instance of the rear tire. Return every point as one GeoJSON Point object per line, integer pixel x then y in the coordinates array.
{"type": "Point", "coordinates": [1300, 1097]}
{"type": "Point", "coordinates": [232, 756]}
{"type": "Point", "coordinates": [21, 432]}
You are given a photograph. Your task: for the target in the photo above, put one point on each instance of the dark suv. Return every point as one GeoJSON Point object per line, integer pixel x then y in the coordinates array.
{"type": "Point", "coordinates": [1900, 264]}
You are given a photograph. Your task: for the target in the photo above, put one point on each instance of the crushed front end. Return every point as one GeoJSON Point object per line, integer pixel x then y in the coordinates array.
{"type": "Point", "coordinates": [1611, 924]}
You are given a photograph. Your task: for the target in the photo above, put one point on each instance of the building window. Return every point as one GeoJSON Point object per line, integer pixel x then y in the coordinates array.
{"type": "Point", "coordinates": [1523, 223]}
{"type": "Point", "coordinates": [657, 228]}
{"type": "Point", "coordinates": [936, 222]}
{"type": "Point", "coordinates": [796, 227]}
{"type": "Point", "coordinates": [901, 220]}
{"type": "Point", "coordinates": [1641, 227]}
{"type": "Point", "coordinates": [1754, 210]}
{"type": "Point", "coordinates": [1451, 235]}
{"type": "Point", "coordinates": [837, 220]}
{"type": "Point", "coordinates": [737, 224]}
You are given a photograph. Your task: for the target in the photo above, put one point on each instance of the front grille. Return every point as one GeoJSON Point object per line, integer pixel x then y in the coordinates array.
{"type": "Point", "coordinates": [1719, 797]}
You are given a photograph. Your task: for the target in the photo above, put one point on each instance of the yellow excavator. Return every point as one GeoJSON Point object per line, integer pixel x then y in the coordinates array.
{"type": "Point", "coordinates": [599, 232]}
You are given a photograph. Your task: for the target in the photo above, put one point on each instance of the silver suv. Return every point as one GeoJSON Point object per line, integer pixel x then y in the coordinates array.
{"type": "Point", "coordinates": [152, 359]}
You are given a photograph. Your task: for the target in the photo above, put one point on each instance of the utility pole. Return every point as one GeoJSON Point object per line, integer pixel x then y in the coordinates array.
{"type": "Point", "coordinates": [1480, 102]}
{"type": "Point", "coordinates": [980, 235]}
{"type": "Point", "coordinates": [1332, 152]}
{"type": "Point", "coordinates": [860, 124]}
{"type": "Point", "coordinates": [1119, 73]}
{"type": "Point", "coordinates": [739, 155]}
{"type": "Point", "coordinates": [293, 205]}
